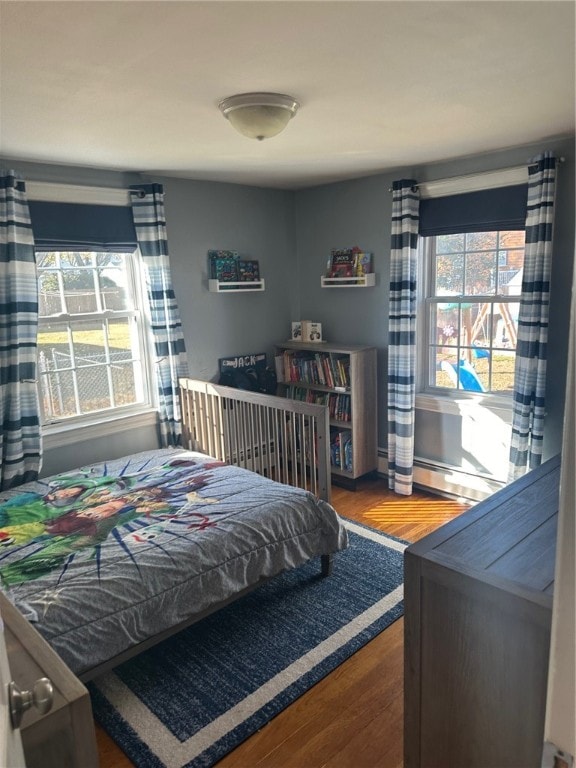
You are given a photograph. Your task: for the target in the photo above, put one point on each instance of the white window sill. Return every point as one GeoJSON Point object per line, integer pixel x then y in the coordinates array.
{"type": "Point", "coordinates": [68, 433]}
{"type": "Point", "coordinates": [462, 405]}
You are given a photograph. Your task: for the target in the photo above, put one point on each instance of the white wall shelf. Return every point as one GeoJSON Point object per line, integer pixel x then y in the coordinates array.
{"type": "Point", "coordinates": [216, 286]}
{"type": "Point", "coordinates": [364, 281]}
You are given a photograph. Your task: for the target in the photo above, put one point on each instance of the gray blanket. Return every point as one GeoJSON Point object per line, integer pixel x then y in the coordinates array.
{"type": "Point", "coordinates": [110, 555]}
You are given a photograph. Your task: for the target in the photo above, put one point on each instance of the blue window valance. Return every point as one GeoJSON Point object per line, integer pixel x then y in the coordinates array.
{"type": "Point", "coordinates": [502, 208]}
{"type": "Point", "coordinates": [82, 227]}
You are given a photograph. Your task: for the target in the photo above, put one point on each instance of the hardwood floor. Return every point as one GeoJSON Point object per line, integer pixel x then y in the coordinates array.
{"type": "Point", "coordinates": [354, 717]}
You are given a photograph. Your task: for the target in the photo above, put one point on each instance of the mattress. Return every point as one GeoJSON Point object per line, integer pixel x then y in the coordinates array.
{"type": "Point", "coordinates": [110, 555]}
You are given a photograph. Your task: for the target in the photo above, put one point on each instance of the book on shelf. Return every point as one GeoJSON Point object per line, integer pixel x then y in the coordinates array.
{"type": "Point", "coordinates": [305, 395]}
{"type": "Point", "coordinates": [346, 451]}
{"type": "Point", "coordinates": [341, 449]}
{"type": "Point", "coordinates": [223, 266]}
{"type": "Point", "coordinates": [363, 264]}
{"type": "Point", "coordinates": [326, 368]}
{"type": "Point", "coordinates": [349, 262]}
{"type": "Point", "coordinates": [342, 263]}
{"type": "Point", "coordinates": [248, 270]}
{"type": "Point", "coordinates": [339, 407]}
{"type": "Point", "coordinates": [322, 368]}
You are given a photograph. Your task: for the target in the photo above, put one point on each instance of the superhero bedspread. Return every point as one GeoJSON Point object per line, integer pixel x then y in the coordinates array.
{"type": "Point", "coordinates": [108, 556]}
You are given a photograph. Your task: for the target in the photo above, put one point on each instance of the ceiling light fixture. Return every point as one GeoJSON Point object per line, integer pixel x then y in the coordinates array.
{"type": "Point", "coordinates": [259, 115]}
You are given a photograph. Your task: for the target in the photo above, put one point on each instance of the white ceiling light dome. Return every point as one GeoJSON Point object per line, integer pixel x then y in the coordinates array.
{"type": "Point", "coordinates": [259, 115]}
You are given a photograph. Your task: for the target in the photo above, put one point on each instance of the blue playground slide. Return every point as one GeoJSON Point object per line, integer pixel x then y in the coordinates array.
{"type": "Point", "coordinates": [468, 377]}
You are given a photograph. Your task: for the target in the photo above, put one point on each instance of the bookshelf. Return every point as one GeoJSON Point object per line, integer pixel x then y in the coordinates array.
{"type": "Point", "coordinates": [343, 377]}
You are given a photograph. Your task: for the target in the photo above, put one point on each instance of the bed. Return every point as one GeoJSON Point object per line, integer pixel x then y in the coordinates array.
{"type": "Point", "coordinates": [111, 558]}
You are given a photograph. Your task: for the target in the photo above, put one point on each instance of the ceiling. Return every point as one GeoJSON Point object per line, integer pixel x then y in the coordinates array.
{"type": "Point", "coordinates": [135, 85]}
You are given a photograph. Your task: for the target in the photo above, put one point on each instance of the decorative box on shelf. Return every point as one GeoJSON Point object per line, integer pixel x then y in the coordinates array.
{"type": "Point", "coordinates": [311, 331]}
{"type": "Point", "coordinates": [360, 281]}
{"type": "Point", "coordinates": [220, 286]}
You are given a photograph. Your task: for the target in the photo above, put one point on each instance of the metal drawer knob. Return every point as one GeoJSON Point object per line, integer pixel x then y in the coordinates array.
{"type": "Point", "coordinates": [41, 696]}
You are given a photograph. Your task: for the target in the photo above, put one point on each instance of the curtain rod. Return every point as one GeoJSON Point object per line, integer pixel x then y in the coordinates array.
{"type": "Point", "coordinates": [473, 182]}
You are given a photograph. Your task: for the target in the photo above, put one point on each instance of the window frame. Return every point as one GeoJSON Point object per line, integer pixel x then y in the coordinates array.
{"type": "Point", "coordinates": [435, 398]}
{"type": "Point", "coordinates": [98, 423]}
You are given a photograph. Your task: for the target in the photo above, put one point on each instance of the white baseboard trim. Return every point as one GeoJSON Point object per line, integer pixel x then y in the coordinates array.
{"type": "Point", "coordinates": [451, 481]}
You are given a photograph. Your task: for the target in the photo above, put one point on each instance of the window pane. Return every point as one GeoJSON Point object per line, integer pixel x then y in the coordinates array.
{"type": "Point", "coordinates": [449, 275]}
{"type": "Point", "coordinates": [470, 322]}
{"type": "Point", "coordinates": [444, 323]}
{"type": "Point", "coordinates": [75, 259]}
{"type": "Point", "coordinates": [88, 365]}
{"type": "Point", "coordinates": [513, 239]}
{"type": "Point", "coordinates": [444, 367]}
{"type": "Point", "coordinates": [503, 370]}
{"type": "Point", "coordinates": [93, 388]}
{"type": "Point", "coordinates": [449, 243]}
{"type": "Point", "coordinates": [480, 273]}
{"type": "Point", "coordinates": [481, 329]}
{"type": "Point", "coordinates": [510, 282]}
{"type": "Point", "coordinates": [49, 298]}
{"type": "Point", "coordinates": [113, 288]}
{"type": "Point", "coordinates": [79, 290]}
{"type": "Point", "coordinates": [58, 394]}
{"type": "Point", "coordinates": [480, 359]}
{"type": "Point", "coordinates": [505, 325]}
{"type": "Point", "coordinates": [475, 370]}
{"type": "Point", "coordinates": [481, 241]}
{"type": "Point", "coordinates": [122, 339]}
{"type": "Point", "coordinates": [113, 279]}
{"type": "Point", "coordinates": [109, 259]}
{"type": "Point", "coordinates": [89, 343]}
{"type": "Point", "coordinates": [124, 383]}
{"type": "Point", "coordinates": [127, 378]}
{"type": "Point", "coordinates": [45, 260]}
{"type": "Point", "coordinates": [53, 347]}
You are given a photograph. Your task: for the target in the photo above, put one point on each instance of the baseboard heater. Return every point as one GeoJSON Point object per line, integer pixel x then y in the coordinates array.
{"type": "Point", "coordinates": [446, 480]}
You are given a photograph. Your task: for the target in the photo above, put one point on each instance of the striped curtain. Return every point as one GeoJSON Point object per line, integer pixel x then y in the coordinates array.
{"type": "Point", "coordinates": [530, 369]}
{"type": "Point", "coordinates": [170, 352]}
{"type": "Point", "coordinates": [20, 444]}
{"type": "Point", "coordinates": [402, 335]}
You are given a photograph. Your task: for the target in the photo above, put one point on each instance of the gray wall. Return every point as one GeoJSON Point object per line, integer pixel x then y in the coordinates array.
{"type": "Point", "coordinates": [291, 234]}
{"type": "Point", "coordinates": [258, 223]}
{"type": "Point", "coordinates": [121, 443]}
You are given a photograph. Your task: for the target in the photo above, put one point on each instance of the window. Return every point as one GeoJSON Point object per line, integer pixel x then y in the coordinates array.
{"type": "Point", "coordinates": [91, 343]}
{"type": "Point", "coordinates": [473, 292]}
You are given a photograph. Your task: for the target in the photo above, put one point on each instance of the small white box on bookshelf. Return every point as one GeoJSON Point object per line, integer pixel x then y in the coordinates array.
{"type": "Point", "coordinates": [297, 331]}
{"type": "Point", "coordinates": [311, 331]}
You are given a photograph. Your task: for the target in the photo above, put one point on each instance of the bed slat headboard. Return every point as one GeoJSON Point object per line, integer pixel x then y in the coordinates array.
{"type": "Point", "coordinates": [285, 440]}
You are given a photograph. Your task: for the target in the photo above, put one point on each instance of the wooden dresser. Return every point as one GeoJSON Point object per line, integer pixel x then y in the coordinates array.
{"type": "Point", "coordinates": [64, 737]}
{"type": "Point", "coordinates": [478, 611]}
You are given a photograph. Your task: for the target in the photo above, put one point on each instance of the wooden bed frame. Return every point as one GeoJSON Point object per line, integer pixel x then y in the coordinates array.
{"type": "Point", "coordinates": [284, 440]}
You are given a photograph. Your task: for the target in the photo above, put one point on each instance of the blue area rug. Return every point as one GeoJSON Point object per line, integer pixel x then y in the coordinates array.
{"type": "Point", "coordinates": [195, 697]}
